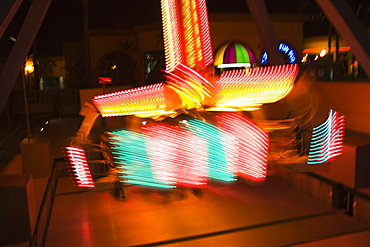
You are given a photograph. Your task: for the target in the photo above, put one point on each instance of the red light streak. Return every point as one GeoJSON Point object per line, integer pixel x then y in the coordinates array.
{"type": "Point", "coordinates": [336, 135]}
{"type": "Point", "coordinates": [80, 167]}
{"type": "Point", "coordinates": [105, 80]}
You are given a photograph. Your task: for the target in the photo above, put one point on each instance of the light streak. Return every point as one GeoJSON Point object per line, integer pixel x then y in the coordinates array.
{"type": "Point", "coordinates": [132, 159]}
{"type": "Point", "coordinates": [142, 100]}
{"type": "Point", "coordinates": [186, 34]}
{"type": "Point", "coordinates": [327, 139]}
{"type": "Point", "coordinates": [251, 88]}
{"type": "Point", "coordinates": [217, 160]}
{"type": "Point", "coordinates": [80, 167]}
{"type": "Point", "coordinates": [247, 146]}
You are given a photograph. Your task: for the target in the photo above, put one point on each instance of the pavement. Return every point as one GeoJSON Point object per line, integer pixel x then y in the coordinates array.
{"type": "Point", "coordinates": [239, 214]}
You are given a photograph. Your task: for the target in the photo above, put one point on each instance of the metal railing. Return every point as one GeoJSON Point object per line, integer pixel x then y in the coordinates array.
{"type": "Point", "coordinates": [65, 101]}
{"type": "Point", "coordinates": [43, 219]}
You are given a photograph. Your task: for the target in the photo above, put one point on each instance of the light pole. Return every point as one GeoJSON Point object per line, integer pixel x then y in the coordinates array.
{"type": "Point", "coordinates": [28, 68]}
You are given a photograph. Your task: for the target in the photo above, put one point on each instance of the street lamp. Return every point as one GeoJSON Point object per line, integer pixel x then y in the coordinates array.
{"type": "Point", "coordinates": [28, 68]}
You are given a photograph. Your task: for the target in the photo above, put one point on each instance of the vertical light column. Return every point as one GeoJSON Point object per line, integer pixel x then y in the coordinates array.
{"type": "Point", "coordinates": [186, 34]}
{"type": "Point", "coordinates": [171, 33]}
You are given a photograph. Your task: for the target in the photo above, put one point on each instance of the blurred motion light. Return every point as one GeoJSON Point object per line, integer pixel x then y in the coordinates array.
{"type": "Point", "coordinates": [217, 164]}
{"type": "Point", "coordinates": [247, 146]}
{"type": "Point", "coordinates": [327, 139]}
{"type": "Point", "coordinates": [323, 52]}
{"type": "Point", "coordinates": [105, 80]}
{"type": "Point", "coordinates": [29, 67]}
{"type": "Point", "coordinates": [149, 100]}
{"type": "Point", "coordinates": [177, 156]}
{"type": "Point", "coordinates": [250, 88]}
{"type": "Point", "coordinates": [131, 155]}
{"type": "Point", "coordinates": [186, 34]}
{"type": "Point", "coordinates": [80, 167]}
{"type": "Point", "coordinates": [192, 88]}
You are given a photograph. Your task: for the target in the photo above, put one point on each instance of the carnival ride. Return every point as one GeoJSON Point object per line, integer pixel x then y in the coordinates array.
{"type": "Point", "coordinates": [196, 126]}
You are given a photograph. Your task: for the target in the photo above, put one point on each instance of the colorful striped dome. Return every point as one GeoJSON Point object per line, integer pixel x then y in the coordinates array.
{"type": "Point", "coordinates": [233, 53]}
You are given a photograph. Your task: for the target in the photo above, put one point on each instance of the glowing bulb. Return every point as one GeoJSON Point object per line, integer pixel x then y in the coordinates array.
{"type": "Point", "coordinates": [323, 52]}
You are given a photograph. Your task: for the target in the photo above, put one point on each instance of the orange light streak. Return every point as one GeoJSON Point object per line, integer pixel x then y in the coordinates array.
{"type": "Point", "coordinates": [186, 33]}
{"type": "Point", "coordinates": [171, 34]}
{"type": "Point", "coordinates": [318, 50]}
{"type": "Point", "coordinates": [142, 100]}
{"type": "Point", "coordinates": [190, 85]}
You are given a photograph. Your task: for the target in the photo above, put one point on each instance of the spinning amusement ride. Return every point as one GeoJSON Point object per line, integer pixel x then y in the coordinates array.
{"type": "Point", "coordinates": [196, 126]}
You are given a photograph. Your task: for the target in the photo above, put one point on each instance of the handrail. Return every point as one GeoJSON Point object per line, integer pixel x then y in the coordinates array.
{"type": "Point", "coordinates": [43, 219]}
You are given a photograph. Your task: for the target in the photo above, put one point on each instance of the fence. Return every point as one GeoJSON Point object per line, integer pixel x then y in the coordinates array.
{"type": "Point", "coordinates": [64, 102]}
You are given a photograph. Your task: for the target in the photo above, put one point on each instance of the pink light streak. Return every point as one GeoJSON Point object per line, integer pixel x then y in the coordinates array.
{"type": "Point", "coordinates": [177, 156]}
{"type": "Point", "coordinates": [248, 146]}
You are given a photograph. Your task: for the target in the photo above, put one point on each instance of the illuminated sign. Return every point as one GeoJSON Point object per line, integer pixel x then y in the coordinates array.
{"type": "Point", "coordinates": [290, 54]}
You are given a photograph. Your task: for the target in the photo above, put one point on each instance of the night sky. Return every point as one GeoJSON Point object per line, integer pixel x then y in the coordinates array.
{"type": "Point", "coordinates": [64, 20]}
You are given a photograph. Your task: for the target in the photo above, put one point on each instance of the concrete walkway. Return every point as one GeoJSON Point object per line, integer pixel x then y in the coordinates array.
{"type": "Point", "coordinates": [238, 214]}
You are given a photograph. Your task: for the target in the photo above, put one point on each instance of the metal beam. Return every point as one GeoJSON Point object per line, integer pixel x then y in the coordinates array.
{"type": "Point", "coordinates": [266, 32]}
{"type": "Point", "coordinates": [351, 29]}
{"type": "Point", "coordinates": [25, 39]}
{"type": "Point", "coordinates": [7, 12]}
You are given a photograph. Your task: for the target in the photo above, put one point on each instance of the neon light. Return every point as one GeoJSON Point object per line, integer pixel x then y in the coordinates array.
{"type": "Point", "coordinates": [166, 156]}
{"type": "Point", "coordinates": [80, 167]}
{"type": "Point", "coordinates": [217, 155]}
{"type": "Point", "coordinates": [163, 156]}
{"type": "Point", "coordinates": [142, 100]}
{"type": "Point", "coordinates": [186, 33]}
{"type": "Point", "coordinates": [131, 155]}
{"type": "Point", "coordinates": [327, 139]}
{"type": "Point", "coordinates": [284, 48]}
{"type": "Point", "coordinates": [205, 34]}
{"type": "Point", "coordinates": [318, 50]}
{"type": "Point", "coordinates": [180, 156]}
{"type": "Point", "coordinates": [171, 34]}
{"type": "Point", "coordinates": [253, 87]}
{"type": "Point", "coordinates": [247, 146]}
